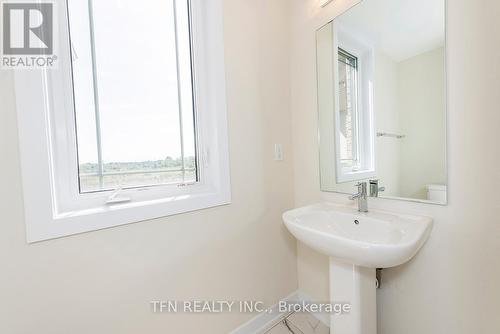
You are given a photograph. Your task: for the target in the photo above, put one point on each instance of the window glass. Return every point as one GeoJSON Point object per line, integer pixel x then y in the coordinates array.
{"type": "Point", "coordinates": [133, 93]}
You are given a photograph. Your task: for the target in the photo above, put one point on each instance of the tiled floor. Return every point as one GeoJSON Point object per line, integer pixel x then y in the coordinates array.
{"type": "Point", "coordinates": [299, 323]}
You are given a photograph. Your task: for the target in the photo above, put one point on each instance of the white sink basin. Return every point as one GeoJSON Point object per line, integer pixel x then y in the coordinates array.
{"type": "Point", "coordinates": [375, 239]}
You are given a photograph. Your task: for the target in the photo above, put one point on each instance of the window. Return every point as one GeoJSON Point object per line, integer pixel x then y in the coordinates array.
{"type": "Point", "coordinates": [354, 124]}
{"type": "Point", "coordinates": [135, 127]}
{"type": "Point", "coordinates": [348, 103]}
{"type": "Point", "coordinates": [131, 124]}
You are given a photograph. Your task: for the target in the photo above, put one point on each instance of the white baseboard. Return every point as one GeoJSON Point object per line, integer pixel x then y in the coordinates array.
{"type": "Point", "coordinates": [323, 317]}
{"type": "Point", "coordinates": [265, 321]}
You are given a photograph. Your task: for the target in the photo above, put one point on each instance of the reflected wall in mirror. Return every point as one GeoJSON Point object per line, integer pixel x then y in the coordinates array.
{"type": "Point", "coordinates": [382, 99]}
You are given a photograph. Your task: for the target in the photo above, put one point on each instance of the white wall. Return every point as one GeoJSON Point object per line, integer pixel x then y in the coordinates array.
{"type": "Point", "coordinates": [452, 285]}
{"type": "Point", "coordinates": [102, 282]}
{"type": "Point", "coordinates": [421, 101]}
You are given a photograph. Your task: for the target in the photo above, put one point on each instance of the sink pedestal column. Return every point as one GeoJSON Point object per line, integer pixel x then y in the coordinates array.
{"type": "Point", "coordinates": [356, 286]}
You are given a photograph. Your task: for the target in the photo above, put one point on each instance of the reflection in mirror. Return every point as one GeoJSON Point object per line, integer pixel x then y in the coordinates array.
{"type": "Point", "coordinates": [382, 99]}
{"type": "Point", "coordinates": [348, 111]}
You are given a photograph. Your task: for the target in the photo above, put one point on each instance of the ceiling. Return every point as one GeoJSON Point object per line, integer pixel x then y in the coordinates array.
{"type": "Point", "coordinates": [400, 28]}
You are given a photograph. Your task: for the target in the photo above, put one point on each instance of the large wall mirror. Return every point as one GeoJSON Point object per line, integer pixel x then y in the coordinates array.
{"type": "Point", "coordinates": [382, 99]}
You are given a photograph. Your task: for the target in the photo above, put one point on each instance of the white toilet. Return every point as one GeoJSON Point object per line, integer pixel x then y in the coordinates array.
{"type": "Point", "coordinates": [436, 193]}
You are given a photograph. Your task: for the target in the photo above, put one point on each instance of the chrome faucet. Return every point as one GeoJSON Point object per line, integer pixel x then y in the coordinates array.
{"type": "Point", "coordinates": [361, 196]}
{"type": "Point", "coordinates": [375, 188]}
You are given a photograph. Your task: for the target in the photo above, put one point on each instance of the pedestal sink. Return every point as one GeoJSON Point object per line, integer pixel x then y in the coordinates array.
{"type": "Point", "coordinates": [357, 243]}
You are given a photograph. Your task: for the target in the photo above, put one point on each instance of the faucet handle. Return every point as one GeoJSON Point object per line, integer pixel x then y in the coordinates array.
{"type": "Point", "coordinates": [353, 197]}
{"type": "Point", "coordinates": [362, 190]}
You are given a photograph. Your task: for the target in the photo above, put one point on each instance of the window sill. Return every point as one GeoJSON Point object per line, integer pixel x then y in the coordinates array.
{"type": "Point", "coordinates": [350, 176]}
{"type": "Point", "coordinates": [106, 216]}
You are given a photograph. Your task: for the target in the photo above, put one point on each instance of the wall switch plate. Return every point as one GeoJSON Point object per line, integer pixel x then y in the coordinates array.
{"type": "Point", "coordinates": [278, 152]}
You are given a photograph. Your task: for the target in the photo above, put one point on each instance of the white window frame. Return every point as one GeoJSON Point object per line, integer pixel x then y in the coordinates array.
{"type": "Point", "coordinates": [48, 144]}
{"type": "Point", "coordinates": [366, 132]}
